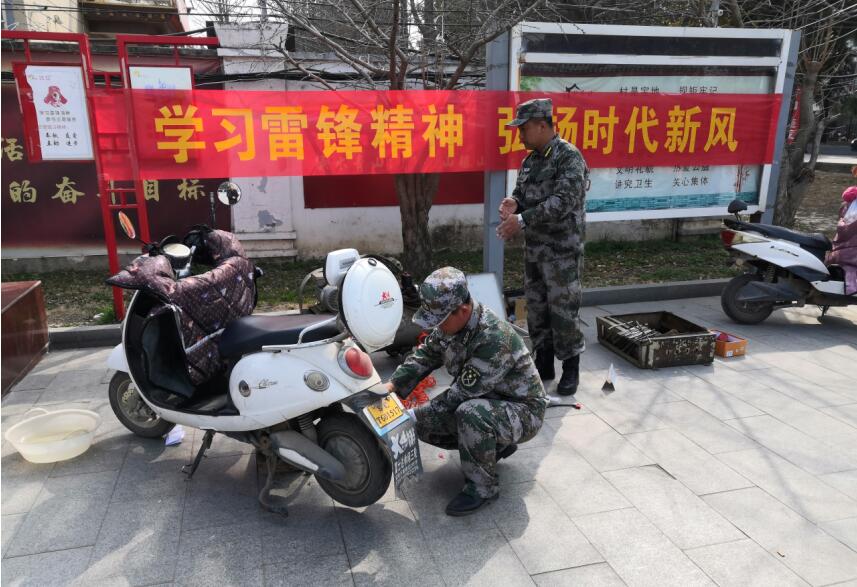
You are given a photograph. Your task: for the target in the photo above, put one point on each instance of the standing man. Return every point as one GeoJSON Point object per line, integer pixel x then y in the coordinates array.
{"type": "Point", "coordinates": [496, 399]}
{"type": "Point", "coordinates": [548, 205]}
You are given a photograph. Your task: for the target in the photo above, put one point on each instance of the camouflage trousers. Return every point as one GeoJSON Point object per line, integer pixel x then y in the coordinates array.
{"type": "Point", "coordinates": [553, 302]}
{"type": "Point", "coordinates": [478, 428]}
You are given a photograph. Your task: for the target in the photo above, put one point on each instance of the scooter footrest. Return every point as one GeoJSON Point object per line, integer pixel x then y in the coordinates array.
{"type": "Point", "coordinates": [299, 451]}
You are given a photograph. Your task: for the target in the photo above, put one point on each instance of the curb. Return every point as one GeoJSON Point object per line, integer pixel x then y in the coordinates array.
{"type": "Point", "coordinates": [81, 337]}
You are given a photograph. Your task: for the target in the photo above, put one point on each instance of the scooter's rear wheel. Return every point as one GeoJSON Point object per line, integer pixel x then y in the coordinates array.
{"type": "Point", "coordinates": [132, 411]}
{"type": "Point", "coordinates": [743, 312]}
{"type": "Point", "coordinates": [368, 470]}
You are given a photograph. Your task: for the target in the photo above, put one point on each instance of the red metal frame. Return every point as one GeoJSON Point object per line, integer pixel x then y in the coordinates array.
{"type": "Point", "coordinates": [105, 186]}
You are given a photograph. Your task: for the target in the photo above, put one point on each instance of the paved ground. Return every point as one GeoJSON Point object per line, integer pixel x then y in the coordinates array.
{"type": "Point", "coordinates": [744, 472]}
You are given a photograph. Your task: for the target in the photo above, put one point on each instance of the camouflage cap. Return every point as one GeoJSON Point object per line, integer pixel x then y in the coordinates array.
{"type": "Point", "coordinates": [442, 292]}
{"type": "Point", "coordinates": [537, 108]}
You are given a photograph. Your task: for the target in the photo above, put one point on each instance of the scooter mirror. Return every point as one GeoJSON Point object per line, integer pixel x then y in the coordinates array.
{"type": "Point", "coordinates": [228, 193]}
{"type": "Point", "coordinates": [736, 206]}
{"type": "Point", "coordinates": [127, 226]}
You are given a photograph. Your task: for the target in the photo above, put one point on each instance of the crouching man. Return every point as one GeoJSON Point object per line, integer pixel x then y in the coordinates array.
{"type": "Point", "coordinates": [496, 400]}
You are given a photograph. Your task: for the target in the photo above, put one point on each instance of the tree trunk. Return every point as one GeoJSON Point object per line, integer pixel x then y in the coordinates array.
{"type": "Point", "coordinates": [416, 193]}
{"type": "Point", "coordinates": [796, 175]}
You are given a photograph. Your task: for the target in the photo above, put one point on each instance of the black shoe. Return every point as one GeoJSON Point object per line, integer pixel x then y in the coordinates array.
{"type": "Point", "coordinates": [570, 376]}
{"type": "Point", "coordinates": [465, 504]}
{"type": "Point", "coordinates": [544, 363]}
{"type": "Point", "coordinates": [507, 451]}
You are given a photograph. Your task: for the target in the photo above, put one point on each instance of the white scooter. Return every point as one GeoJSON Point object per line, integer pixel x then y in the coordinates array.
{"type": "Point", "coordinates": [301, 389]}
{"type": "Point", "coordinates": [784, 268]}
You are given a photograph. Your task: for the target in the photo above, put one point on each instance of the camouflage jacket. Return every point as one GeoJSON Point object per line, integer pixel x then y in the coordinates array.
{"type": "Point", "coordinates": [550, 192]}
{"type": "Point", "coordinates": [487, 359]}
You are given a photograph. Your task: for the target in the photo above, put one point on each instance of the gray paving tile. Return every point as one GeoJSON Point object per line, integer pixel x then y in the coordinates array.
{"type": "Point", "coordinates": [700, 471]}
{"type": "Point", "coordinates": [604, 448]}
{"type": "Point", "coordinates": [540, 533]}
{"type": "Point", "coordinates": [790, 484]}
{"type": "Point", "coordinates": [800, 545]}
{"type": "Point", "coordinates": [73, 360]}
{"type": "Point", "coordinates": [223, 492]}
{"type": "Point", "coordinates": [427, 500]}
{"type": "Point", "coordinates": [49, 568]}
{"type": "Point", "coordinates": [847, 414]}
{"type": "Point", "coordinates": [804, 451]}
{"type": "Point", "coordinates": [806, 392]}
{"type": "Point", "coordinates": [406, 563]}
{"type": "Point", "coordinates": [639, 552]}
{"type": "Point", "coordinates": [573, 483]}
{"type": "Point", "coordinates": [226, 555]}
{"type": "Point", "coordinates": [380, 524]}
{"type": "Point", "coordinates": [311, 528]}
{"type": "Point", "coordinates": [845, 531]}
{"type": "Point", "coordinates": [9, 525]}
{"type": "Point", "coordinates": [17, 403]}
{"type": "Point", "coordinates": [105, 454]}
{"type": "Point", "coordinates": [597, 575]}
{"type": "Point", "coordinates": [139, 541]}
{"type": "Point", "coordinates": [75, 385]}
{"type": "Point", "coordinates": [319, 571]}
{"type": "Point", "coordinates": [22, 481]}
{"type": "Point", "coordinates": [478, 558]}
{"type": "Point", "coordinates": [32, 382]}
{"type": "Point", "coordinates": [801, 417]}
{"type": "Point", "coordinates": [713, 398]}
{"type": "Point", "coordinates": [685, 519]}
{"type": "Point", "coordinates": [221, 445]}
{"type": "Point", "coordinates": [845, 481]}
{"type": "Point", "coordinates": [67, 514]}
{"type": "Point", "coordinates": [742, 563]}
{"type": "Point", "coordinates": [150, 468]}
{"type": "Point", "coordinates": [701, 427]}
{"type": "Point", "coordinates": [625, 416]}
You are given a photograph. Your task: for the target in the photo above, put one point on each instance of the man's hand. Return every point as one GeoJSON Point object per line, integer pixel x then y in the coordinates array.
{"type": "Point", "coordinates": [390, 387]}
{"type": "Point", "coordinates": [507, 207]}
{"type": "Point", "coordinates": [508, 228]}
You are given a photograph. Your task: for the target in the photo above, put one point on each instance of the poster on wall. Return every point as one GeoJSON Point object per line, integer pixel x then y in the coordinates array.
{"type": "Point", "coordinates": [144, 77]}
{"type": "Point", "coordinates": [61, 130]}
{"type": "Point", "coordinates": [634, 187]}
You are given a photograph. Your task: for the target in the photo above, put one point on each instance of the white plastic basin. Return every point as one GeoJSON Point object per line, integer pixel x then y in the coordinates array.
{"type": "Point", "coordinates": [54, 436]}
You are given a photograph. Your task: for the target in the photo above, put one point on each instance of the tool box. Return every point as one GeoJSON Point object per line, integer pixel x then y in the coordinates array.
{"type": "Point", "coordinates": [652, 340]}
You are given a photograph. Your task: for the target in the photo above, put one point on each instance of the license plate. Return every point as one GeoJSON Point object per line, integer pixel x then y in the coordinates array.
{"type": "Point", "coordinates": [385, 414]}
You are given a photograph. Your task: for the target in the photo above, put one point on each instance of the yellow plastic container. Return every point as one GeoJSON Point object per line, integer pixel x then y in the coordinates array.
{"type": "Point", "coordinates": [54, 436]}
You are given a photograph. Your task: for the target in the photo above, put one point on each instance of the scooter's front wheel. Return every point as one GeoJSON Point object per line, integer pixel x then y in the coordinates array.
{"type": "Point", "coordinates": [367, 468]}
{"type": "Point", "coordinates": [132, 411]}
{"type": "Point", "coordinates": [743, 312]}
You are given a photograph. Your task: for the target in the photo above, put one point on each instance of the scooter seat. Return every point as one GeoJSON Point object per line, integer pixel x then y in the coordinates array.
{"type": "Point", "coordinates": [808, 241]}
{"type": "Point", "coordinates": [250, 333]}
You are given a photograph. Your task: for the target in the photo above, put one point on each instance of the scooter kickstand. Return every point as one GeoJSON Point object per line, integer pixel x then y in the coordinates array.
{"type": "Point", "coordinates": [206, 443]}
{"type": "Point", "coordinates": [272, 503]}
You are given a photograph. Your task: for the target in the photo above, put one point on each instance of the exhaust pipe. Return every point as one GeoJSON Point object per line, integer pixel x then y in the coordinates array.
{"type": "Point", "coordinates": [299, 451]}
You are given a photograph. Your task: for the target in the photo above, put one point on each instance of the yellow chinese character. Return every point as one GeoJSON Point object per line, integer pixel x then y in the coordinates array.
{"type": "Point", "coordinates": [339, 131]}
{"type": "Point", "coordinates": [393, 127]}
{"type": "Point", "coordinates": [246, 114]}
{"type": "Point", "coordinates": [681, 129]}
{"type": "Point", "coordinates": [647, 119]}
{"type": "Point", "coordinates": [566, 127]}
{"type": "Point", "coordinates": [13, 150]}
{"type": "Point", "coordinates": [511, 136]}
{"type": "Point", "coordinates": [599, 128]}
{"type": "Point", "coordinates": [722, 128]}
{"type": "Point", "coordinates": [151, 190]}
{"type": "Point", "coordinates": [22, 192]}
{"type": "Point", "coordinates": [446, 129]}
{"type": "Point", "coordinates": [190, 190]}
{"type": "Point", "coordinates": [179, 118]}
{"type": "Point", "coordinates": [66, 192]}
{"type": "Point", "coordinates": [284, 125]}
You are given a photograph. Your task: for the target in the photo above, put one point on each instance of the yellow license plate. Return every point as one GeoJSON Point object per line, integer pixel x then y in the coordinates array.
{"type": "Point", "coordinates": [386, 412]}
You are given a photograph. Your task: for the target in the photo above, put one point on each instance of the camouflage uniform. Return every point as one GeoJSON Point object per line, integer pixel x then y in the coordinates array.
{"type": "Point", "coordinates": [496, 398]}
{"type": "Point", "coordinates": [550, 193]}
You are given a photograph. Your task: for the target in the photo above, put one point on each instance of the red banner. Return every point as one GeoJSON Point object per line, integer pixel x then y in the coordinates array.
{"type": "Point", "coordinates": [212, 133]}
